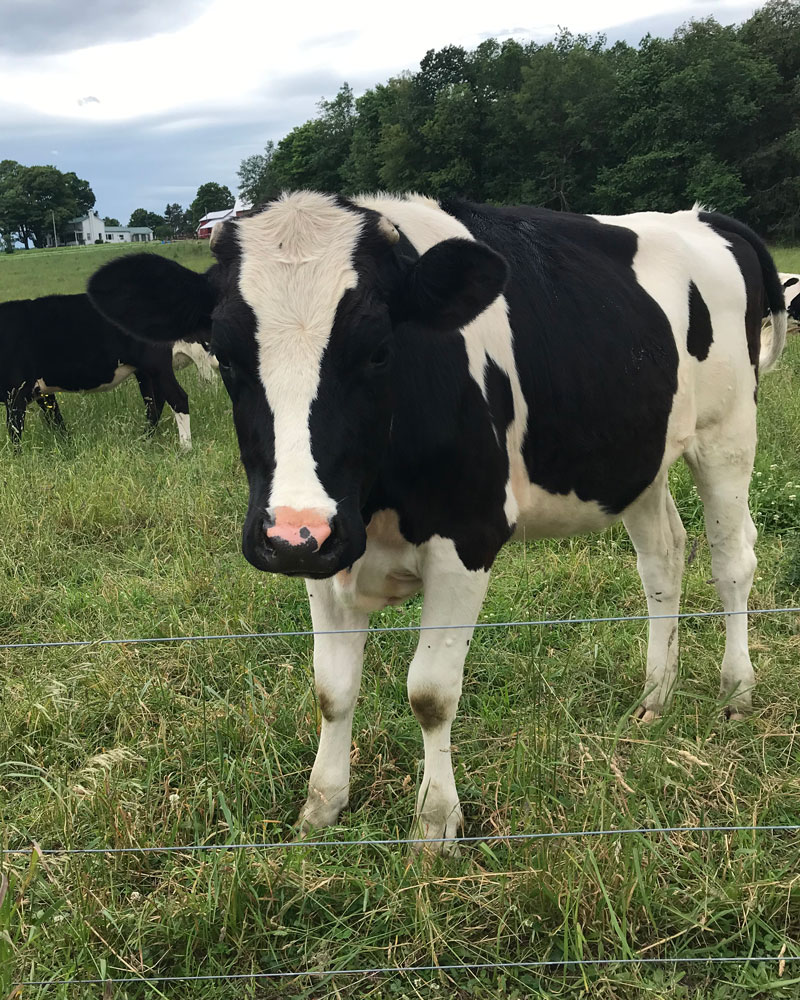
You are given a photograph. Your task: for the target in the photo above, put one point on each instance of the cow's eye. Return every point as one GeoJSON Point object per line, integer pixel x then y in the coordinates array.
{"type": "Point", "coordinates": [379, 358]}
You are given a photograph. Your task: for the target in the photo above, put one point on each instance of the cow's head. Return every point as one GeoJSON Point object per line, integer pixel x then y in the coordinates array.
{"type": "Point", "coordinates": [304, 310]}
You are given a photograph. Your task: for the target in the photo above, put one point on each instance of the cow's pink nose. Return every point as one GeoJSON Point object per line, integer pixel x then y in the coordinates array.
{"type": "Point", "coordinates": [297, 527]}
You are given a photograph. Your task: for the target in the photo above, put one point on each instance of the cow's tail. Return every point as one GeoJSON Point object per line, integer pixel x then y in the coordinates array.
{"type": "Point", "coordinates": [772, 346]}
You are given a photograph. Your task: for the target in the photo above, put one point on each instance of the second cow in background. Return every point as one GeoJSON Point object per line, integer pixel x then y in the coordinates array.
{"type": "Point", "coordinates": [60, 343]}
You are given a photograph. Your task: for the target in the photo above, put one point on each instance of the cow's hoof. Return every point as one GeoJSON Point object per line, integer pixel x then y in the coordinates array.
{"type": "Point", "coordinates": [733, 714]}
{"type": "Point", "coordinates": [317, 813]}
{"type": "Point", "coordinates": [436, 834]}
{"type": "Point", "coordinates": [646, 715]}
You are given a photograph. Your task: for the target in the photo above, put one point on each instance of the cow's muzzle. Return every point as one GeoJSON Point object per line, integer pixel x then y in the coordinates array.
{"type": "Point", "coordinates": [297, 543]}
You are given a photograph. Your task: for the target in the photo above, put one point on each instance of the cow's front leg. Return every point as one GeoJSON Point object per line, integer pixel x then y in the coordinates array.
{"type": "Point", "coordinates": [453, 596]}
{"type": "Point", "coordinates": [337, 676]}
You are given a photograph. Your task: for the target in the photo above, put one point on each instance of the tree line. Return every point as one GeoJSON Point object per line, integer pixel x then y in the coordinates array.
{"type": "Point", "coordinates": [35, 200]}
{"type": "Point", "coordinates": [177, 221]}
{"type": "Point", "coordinates": [711, 114]}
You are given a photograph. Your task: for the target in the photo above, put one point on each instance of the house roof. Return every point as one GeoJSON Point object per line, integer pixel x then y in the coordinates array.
{"type": "Point", "coordinates": [210, 217]}
{"type": "Point", "coordinates": [129, 229]}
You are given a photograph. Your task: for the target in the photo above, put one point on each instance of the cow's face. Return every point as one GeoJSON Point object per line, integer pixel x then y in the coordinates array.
{"type": "Point", "coordinates": [309, 298]}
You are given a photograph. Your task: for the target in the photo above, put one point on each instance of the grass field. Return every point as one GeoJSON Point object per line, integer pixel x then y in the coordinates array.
{"type": "Point", "coordinates": [109, 534]}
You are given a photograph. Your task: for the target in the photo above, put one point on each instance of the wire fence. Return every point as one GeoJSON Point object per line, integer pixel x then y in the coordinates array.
{"type": "Point", "coordinates": [552, 964]}
{"type": "Point", "coordinates": [57, 643]}
{"type": "Point", "coordinates": [549, 964]}
{"type": "Point", "coordinates": [404, 841]}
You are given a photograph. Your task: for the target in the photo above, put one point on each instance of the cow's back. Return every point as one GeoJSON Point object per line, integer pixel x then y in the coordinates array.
{"type": "Point", "coordinates": [62, 341]}
{"type": "Point", "coordinates": [610, 333]}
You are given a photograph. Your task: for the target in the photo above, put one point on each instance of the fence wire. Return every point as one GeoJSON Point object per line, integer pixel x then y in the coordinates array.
{"type": "Point", "coordinates": [399, 841]}
{"type": "Point", "coordinates": [389, 628]}
{"type": "Point", "coordinates": [566, 963]}
{"type": "Point", "coordinates": [551, 964]}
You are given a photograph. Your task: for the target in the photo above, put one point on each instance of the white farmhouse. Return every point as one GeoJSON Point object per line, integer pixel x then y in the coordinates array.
{"type": "Point", "coordinates": [88, 229]}
{"type": "Point", "coordinates": [128, 234]}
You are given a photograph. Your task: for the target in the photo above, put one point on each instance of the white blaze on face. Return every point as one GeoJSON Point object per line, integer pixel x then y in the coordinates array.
{"type": "Point", "coordinates": [296, 263]}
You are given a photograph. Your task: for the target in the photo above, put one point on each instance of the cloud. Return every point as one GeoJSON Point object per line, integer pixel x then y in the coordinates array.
{"type": "Point", "coordinates": [47, 26]}
{"type": "Point", "coordinates": [88, 100]}
{"type": "Point", "coordinates": [336, 39]}
{"type": "Point", "coordinates": [155, 159]}
{"type": "Point", "coordinates": [315, 83]}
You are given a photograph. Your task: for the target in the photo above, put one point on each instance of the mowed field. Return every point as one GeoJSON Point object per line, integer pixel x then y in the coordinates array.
{"type": "Point", "coordinates": [109, 534]}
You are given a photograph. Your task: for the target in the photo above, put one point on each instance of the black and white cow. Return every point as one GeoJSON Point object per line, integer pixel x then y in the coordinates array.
{"type": "Point", "coordinates": [60, 343]}
{"type": "Point", "coordinates": [416, 383]}
{"type": "Point", "coordinates": [791, 294]}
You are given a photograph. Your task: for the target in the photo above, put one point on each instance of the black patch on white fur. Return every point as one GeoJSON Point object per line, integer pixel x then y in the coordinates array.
{"type": "Point", "coordinates": [700, 335]}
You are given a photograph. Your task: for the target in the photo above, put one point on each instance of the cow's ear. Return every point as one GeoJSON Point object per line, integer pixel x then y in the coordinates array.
{"type": "Point", "coordinates": [154, 298]}
{"type": "Point", "coordinates": [453, 283]}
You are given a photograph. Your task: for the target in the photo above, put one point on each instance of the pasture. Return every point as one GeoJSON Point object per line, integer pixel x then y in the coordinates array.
{"type": "Point", "coordinates": [108, 534]}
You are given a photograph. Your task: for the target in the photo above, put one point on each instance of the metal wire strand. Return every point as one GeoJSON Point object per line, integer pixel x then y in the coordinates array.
{"type": "Point", "coordinates": [387, 628]}
{"type": "Point", "coordinates": [412, 969]}
{"type": "Point", "coordinates": [398, 841]}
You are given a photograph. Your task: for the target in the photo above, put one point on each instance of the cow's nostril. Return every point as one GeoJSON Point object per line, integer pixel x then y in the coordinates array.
{"type": "Point", "coordinates": [299, 527]}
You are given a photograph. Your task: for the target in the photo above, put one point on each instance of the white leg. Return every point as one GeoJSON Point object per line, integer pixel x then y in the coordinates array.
{"type": "Point", "coordinates": [337, 675]}
{"type": "Point", "coordinates": [453, 596]}
{"type": "Point", "coordinates": [723, 479]}
{"type": "Point", "coordinates": [184, 430]}
{"type": "Point", "coordinates": [659, 538]}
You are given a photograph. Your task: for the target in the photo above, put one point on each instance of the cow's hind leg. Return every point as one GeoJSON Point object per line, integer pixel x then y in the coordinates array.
{"type": "Point", "coordinates": [48, 404]}
{"type": "Point", "coordinates": [722, 466]}
{"type": "Point", "coordinates": [16, 401]}
{"type": "Point", "coordinates": [659, 538]}
{"type": "Point", "coordinates": [169, 388]}
{"type": "Point", "coordinates": [153, 401]}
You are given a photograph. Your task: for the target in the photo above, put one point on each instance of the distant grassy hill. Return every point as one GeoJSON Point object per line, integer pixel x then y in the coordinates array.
{"type": "Point", "coordinates": [27, 274]}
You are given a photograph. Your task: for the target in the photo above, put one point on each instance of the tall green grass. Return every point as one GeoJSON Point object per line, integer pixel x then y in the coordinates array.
{"type": "Point", "coordinates": [111, 534]}
{"type": "Point", "coordinates": [27, 274]}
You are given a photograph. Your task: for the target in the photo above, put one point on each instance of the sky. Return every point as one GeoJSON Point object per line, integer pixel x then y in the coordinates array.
{"type": "Point", "coordinates": [148, 99]}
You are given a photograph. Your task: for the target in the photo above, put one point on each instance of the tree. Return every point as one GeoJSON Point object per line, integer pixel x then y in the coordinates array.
{"type": "Point", "coordinates": [33, 198]}
{"type": "Point", "coordinates": [211, 197]}
{"type": "Point", "coordinates": [255, 176]}
{"type": "Point", "coordinates": [141, 217]}
{"type": "Point", "coordinates": [178, 221]}
{"type": "Point", "coordinates": [710, 114]}
{"type": "Point", "coordinates": [314, 154]}
{"type": "Point", "coordinates": [108, 221]}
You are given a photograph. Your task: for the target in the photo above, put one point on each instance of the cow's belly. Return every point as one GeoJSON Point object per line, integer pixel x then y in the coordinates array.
{"type": "Point", "coordinates": [387, 573]}
{"type": "Point", "coordinates": [121, 372]}
{"type": "Point", "coordinates": [541, 514]}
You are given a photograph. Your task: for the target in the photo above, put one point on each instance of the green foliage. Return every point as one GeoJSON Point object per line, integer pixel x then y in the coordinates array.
{"type": "Point", "coordinates": [313, 154]}
{"type": "Point", "coordinates": [211, 197]}
{"type": "Point", "coordinates": [710, 114]}
{"type": "Point", "coordinates": [141, 217]}
{"type": "Point", "coordinates": [178, 220]}
{"type": "Point", "coordinates": [32, 198]}
{"type": "Point", "coordinates": [108, 221]}
{"type": "Point", "coordinates": [255, 176]}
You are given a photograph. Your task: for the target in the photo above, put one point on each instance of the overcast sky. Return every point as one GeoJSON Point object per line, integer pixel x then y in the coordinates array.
{"type": "Point", "coordinates": [148, 99]}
